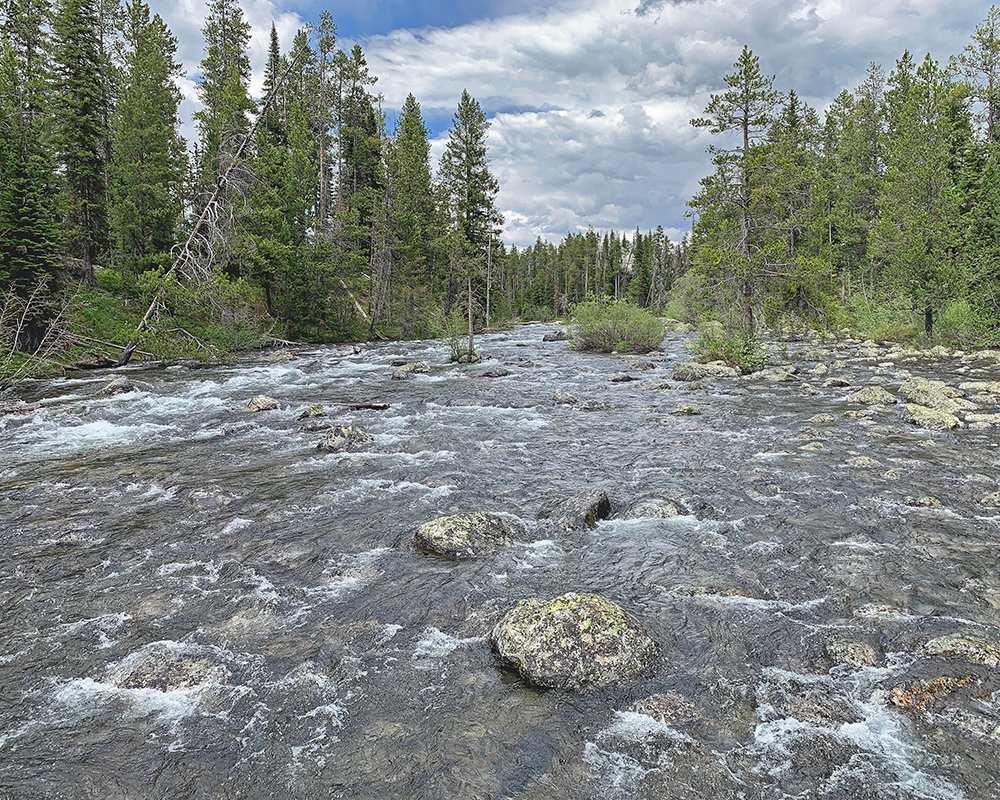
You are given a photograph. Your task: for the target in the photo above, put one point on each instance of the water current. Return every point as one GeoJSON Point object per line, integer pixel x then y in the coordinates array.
{"type": "Point", "coordinates": [195, 602]}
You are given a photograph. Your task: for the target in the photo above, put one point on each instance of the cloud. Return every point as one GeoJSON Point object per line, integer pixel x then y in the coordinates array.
{"type": "Point", "coordinates": [590, 100]}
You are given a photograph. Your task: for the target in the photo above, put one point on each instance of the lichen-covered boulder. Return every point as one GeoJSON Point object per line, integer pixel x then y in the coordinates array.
{"type": "Point", "coordinates": [693, 371]}
{"type": "Point", "coordinates": [563, 398]}
{"type": "Point", "coordinates": [262, 402]}
{"type": "Point", "coordinates": [471, 535]}
{"type": "Point", "coordinates": [872, 395]}
{"type": "Point", "coordinates": [118, 386]}
{"type": "Point", "coordinates": [965, 646]}
{"type": "Point", "coordinates": [851, 651]}
{"type": "Point", "coordinates": [596, 405]}
{"type": "Point", "coordinates": [581, 511]}
{"type": "Point", "coordinates": [573, 642]}
{"type": "Point", "coordinates": [344, 439]}
{"type": "Point", "coordinates": [404, 371]}
{"type": "Point", "coordinates": [313, 410]}
{"type": "Point", "coordinates": [653, 509]}
{"type": "Point", "coordinates": [933, 394]}
{"type": "Point", "coordinates": [934, 419]}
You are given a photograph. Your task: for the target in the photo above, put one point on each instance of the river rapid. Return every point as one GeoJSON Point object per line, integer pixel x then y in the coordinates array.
{"type": "Point", "coordinates": [195, 602]}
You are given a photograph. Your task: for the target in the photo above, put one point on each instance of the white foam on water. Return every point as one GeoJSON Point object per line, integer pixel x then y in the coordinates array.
{"type": "Point", "coordinates": [48, 438]}
{"type": "Point", "coordinates": [236, 524]}
{"type": "Point", "coordinates": [632, 726]}
{"type": "Point", "coordinates": [618, 775]}
{"type": "Point", "coordinates": [85, 696]}
{"type": "Point", "coordinates": [102, 626]}
{"type": "Point", "coordinates": [435, 644]}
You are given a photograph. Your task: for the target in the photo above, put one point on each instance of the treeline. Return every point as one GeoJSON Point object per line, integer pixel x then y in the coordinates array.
{"type": "Point", "coordinates": [313, 215]}
{"type": "Point", "coordinates": [890, 201]}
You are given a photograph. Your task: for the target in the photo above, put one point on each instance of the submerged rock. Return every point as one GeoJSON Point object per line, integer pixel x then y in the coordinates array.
{"type": "Point", "coordinates": [345, 439]}
{"type": "Point", "coordinates": [964, 646]}
{"type": "Point", "coordinates": [573, 642]}
{"type": "Point", "coordinates": [17, 407]}
{"type": "Point", "coordinates": [563, 398]}
{"type": "Point", "coordinates": [669, 708]}
{"type": "Point", "coordinates": [653, 509]}
{"type": "Point", "coordinates": [920, 694]}
{"type": "Point", "coordinates": [165, 667]}
{"type": "Point", "coordinates": [863, 462]}
{"type": "Point", "coordinates": [314, 425]}
{"type": "Point", "coordinates": [934, 419]}
{"type": "Point", "coordinates": [597, 405]}
{"type": "Point", "coordinates": [262, 402]}
{"type": "Point", "coordinates": [471, 535]}
{"type": "Point", "coordinates": [693, 371]}
{"type": "Point", "coordinates": [851, 651]}
{"type": "Point", "coordinates": [495, 372]}
{"type": "Point", "coordinates": [409, 368]}
{"type": "Point", "coordinates": [581, 511]}
{"type": "Point", "coordinates": [118, 386]}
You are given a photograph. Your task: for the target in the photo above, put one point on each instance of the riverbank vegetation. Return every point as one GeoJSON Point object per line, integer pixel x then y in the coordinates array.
{"type": "Point", "coordinates": [299, 215]}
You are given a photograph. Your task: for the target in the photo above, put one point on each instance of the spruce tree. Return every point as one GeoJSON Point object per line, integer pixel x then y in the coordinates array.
{"type": "Point", "coordinates": [148, 165]}
{"type": "Point", "coordinates": [81, 111]}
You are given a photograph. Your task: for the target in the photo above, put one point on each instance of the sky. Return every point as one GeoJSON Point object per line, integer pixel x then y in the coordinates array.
{"type": "Point", "coordinates": [590, 101]}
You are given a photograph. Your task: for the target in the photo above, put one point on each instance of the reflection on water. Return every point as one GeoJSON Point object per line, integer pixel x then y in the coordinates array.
{"type": "Point", "coordinates": [199, 604]}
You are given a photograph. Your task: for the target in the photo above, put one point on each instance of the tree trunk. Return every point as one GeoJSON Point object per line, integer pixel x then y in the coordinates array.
{"type": "Point", "coordinates": [472, 343]}
{"type": "Point", "coordinates": [928, 321]}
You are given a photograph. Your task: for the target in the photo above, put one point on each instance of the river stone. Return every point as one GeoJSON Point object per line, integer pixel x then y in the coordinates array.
{"type": "Point", "coordinates": [991, 500]}
{"type": "Point", "coordinates": [315, 425]}
{"type": "Point", "coordinates": [653, 509]}
{"type": "Point", "coordinates": [640, 364]}
{"type": "Point", "coordinates": [964, 646]}
{"type": "Point", "coordinates": [495, 372]}
{"type": "Point", "coordinates": [597, 405]}
{"type": "Point", "coordinates": [581, 511]}
{"type": "Point", "coordinates": [573, 642]}
{"type": "Point", "coordinates": [161, 667]}
{"type": "Point", "coordinates": [693, 371]}
{"type": "Point", "coordinates": [871, 395]}
{"type": "Point", "coordinates": [836, 383]}
{"type": "Point", "coordinates": [934, 419]}
{"type": "Point", "coordinates": [563, 398]}
{"type": "Point", "coordinates": [621, 377]}
{"type": "Point", "coordinates": [933, 394]}
{"type": "Point", "coordinates": [118, 386]}
{"type": "Point", "coordinates": [17, 407]}
{"type": "Point", "coordinates": [920, 694]}
{"type": "Point", "coordinates": [405, 370]}
{"type": "Point", "coordinates": [863, 462]}
{"type": "Point", "coordinates": [262, 402]}
{"type": "Point", "coordinates": [922, 502]}
{"type": "Point", "coordinates": [655, 384]}
{"type": "Point", "coordinates": [471, 535]}
{"type": "Point", "coordinates": [819, 370]}
{"type": "Point", "coordinates": [468, 358]}
{"type": "Point", "coordinates": [808, 389]}
{"type": "Point", "coordinates": [822, 419]}
{"type": "Point", "coordinates": [851, 651]}
{"type": "Point", "coordinates": [313, 410]}
{"type": "Point", "coordinates": [557, 336]}
{"type": "Point", "coordinates": [344, 439]}
{"type": "Point", "coordinates": [773, 374]}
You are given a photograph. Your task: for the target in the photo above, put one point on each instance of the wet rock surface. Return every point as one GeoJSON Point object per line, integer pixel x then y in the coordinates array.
{"type": "Point", "coordinates": [470, 535]}
{"type": "Point", "coordinates": [581, 511]}
{"type": "Point", "coordinates": [573, 642]}
{"type": "Point", "coordinates": [345, 439]}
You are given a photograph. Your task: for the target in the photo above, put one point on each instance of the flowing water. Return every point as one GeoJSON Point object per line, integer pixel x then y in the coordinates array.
{"type": "Point", "coordinates": [197, 603]}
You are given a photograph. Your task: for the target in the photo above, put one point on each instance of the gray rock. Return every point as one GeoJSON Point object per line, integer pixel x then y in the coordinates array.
{"type": "Point", "coordinates": [669, 708]}
{"type": "Point", "coordinates": [558, 336]}
{"type": "Point", "coordinates": [932, 394]}
{"type": "Point", "coordinates": [622, 377]}
{"type": "Point", "coordinates": [314, 425]}
{"type": "Point", "coordinates": [871, 395]}
{"type": "Point", "coordinates": [563, 398]}
{"type": "Point", "coordinates": [597, 405]}
{"type": "Point", "coordinates": [17, 407]}
{"type": "Point", "coordinates": [836, 383]}
{"type": "Point", "coordinates": [640, 364]}
{"type": "Point", "coordinates": [345, 439]}
{"type": "Point", "coordinates": [411, 367]}
{"type": "Point", "coordinates": [118, 386]}
{"type": "Point", "coordinates": [166, 667]}
{"type": "Point", "coordinates": [966, 647]}
{"type": "Point", "coordinates": [653, 509]}
{"type": "Point", "coordinates": [313, 410]}
{"type": "Point", "coordinates": [655, 384]}
{"type": "Point", "coordinates": [581, 511]}
{"type": "Point", "coordinates": [471, 535]}
{"type": "Point", "coordinates": [262, 402]}
{"type": "Point", "coordinates": [495, 372]}
{"type": "Point", "coordinates": [822, 419]}
{"type": "Point", "coordinates": [469, 358]}
{"type": "Point", "coordinates": [851, 651]}
{"type": "Point", "coordinates": [934, 419]}
{"type": "Point", "coordinates": [693, 371]}
{"type": "Point", "coordinates": [576, 641]}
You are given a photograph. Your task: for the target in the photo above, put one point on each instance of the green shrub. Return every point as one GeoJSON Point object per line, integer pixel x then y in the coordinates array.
{"type": "Point", "coordinates": [614, 326]}
{"type": "Point", "coordinates": [686, 299]}
{"type": "Point", "coordinates": [885, 319]}
{"type": "Point", "coordinates": [739, 347]}
{"type": "Point", "coordinates": [961, 325]}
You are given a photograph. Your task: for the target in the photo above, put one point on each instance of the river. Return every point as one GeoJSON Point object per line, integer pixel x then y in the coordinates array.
{"type": "Point", "coordinates": [197, 603]}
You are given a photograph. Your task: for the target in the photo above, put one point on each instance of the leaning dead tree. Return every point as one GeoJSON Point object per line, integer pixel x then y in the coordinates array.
{"type": "Point", "coordinates": [197, 255]}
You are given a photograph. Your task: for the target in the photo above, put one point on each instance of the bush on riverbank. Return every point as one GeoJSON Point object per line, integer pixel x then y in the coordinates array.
{"type": "Point", "coordinates": [739, 347]}
{"type": "Point", "coordinates": [615, 326]}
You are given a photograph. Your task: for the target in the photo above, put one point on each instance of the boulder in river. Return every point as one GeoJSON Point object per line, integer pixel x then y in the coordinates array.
{"type": "Point", "coordinates": [966, 647]}
{"type": "Point", "coordinates": [345, 439]}
{"type": "Point", "coordinates": [557, 336]}
{"type": "Point", "coordinates": [932, 394]}
{"type": "Point", "coordinates": [471, 535]}
{"type": "Point", "coordinates": [262, 402]}
{"type": "Point", "coordinates": [313, 410]}
{"type": "Point", "coordinates": [404, 371]}
{"type": "Point", "coordinates": [872, 395]}
{"type": "Point", "coordinates": [653, 509]}
{"type": "Point", "coordinates": [693, 371]}
{"type": "Point", "coordinates": [168, 667]}
{"type": "Point", "coordinates": [934, 419]}
{"type": "Point", "coordinates": [17, 407]}
{"type": "Point", "coordinates": [597, 405]}
{"type": "Point", "coordinates": [564, 398]}
{"type": "Point", "coordinates": [118, 386]}
{"type": "Point", "coordinates": [573, 642]}
{"type": "Point", "coordinates": [851, 651]}
{"type": "Point", "coordinates": [581, 511]}
{"type": "Point", "coordinates": [495, 372]}
{"type": "Point", "coordinates": [621, 377]}
{"type": "Point", "coordinates": [670, 709]}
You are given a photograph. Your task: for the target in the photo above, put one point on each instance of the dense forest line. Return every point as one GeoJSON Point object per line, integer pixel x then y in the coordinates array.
{"type": "Point", "coordinates": [298, 215]}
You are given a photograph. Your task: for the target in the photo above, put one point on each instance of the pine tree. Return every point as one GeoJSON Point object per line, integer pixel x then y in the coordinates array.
{"type": "Point", "coordinates": [81, 132]}
{"type": "Point", "coordinates": [149, 160]}
{"type": "Point", "coordinates": [979, 63]}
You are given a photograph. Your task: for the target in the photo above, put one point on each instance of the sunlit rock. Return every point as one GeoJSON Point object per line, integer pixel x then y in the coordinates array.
{"type": "Point", "coordinates": [934, 419]}
{"type": "Point", "coordinates": [118, 386]}
{"type": "Point", "coordinates": [576, 641]}
{"type": "Point", "coordinates": [966, 647]}
{"type": "Point", "coordinates": [262, 402]}
{"type": "Point", "coordinates": [471, 535]}
{"type": "Point", "coordinates": [344, 439]}
{"type": "Point", "coordinates": [693, 371]}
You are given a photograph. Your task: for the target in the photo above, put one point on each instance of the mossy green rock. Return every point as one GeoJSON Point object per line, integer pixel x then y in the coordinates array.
{"type": "Point", "coordinates": [933, 394]}
{"type": "Point", "coordinates": [344, 439]}
{"type": "Point", "coordinates": [581, 511]}
{"type": "Point", "coordinates": [871, 395]}
{"type": "Point", "coordinates": [471, 535]}
{"type": "Point", "coordinates": [967, 647]}
{"type": "Point", "coordinates": [573, 642]}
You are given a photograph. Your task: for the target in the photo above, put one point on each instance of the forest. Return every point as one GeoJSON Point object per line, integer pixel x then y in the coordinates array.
{"type": "Point", "coordinates": [298, 216]}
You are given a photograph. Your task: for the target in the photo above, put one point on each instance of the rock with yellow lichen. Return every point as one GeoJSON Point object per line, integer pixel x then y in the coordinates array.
{"type": "Point", "coordinates": [576, 641]}
{"type": "Point", "coordinates": [471, 535]}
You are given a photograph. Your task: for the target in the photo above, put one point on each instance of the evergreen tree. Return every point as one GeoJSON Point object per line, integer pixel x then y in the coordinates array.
{"type": "Point", "coordinates": [81, 132]}
{"type": "Point", "coordinates": [979, 63]}
{"type": "Point", "coordinates": [148, 166]}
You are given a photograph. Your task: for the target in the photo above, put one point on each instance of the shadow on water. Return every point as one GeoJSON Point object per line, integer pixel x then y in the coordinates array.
{"type": "Point", "coordinates": [197, 603]}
